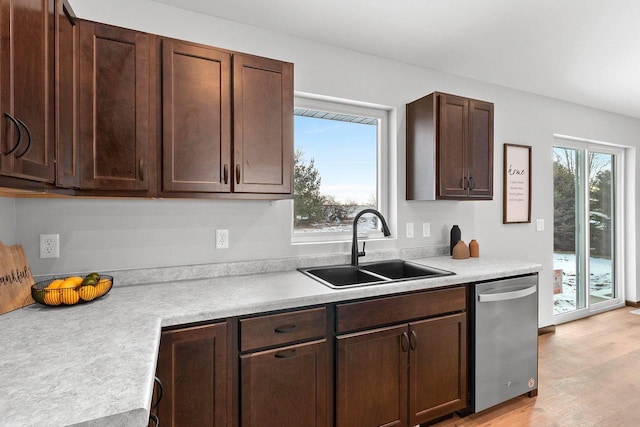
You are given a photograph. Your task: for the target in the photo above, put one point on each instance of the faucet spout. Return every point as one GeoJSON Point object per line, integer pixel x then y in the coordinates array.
{"type": "Point", "coordinates": [355, 254]}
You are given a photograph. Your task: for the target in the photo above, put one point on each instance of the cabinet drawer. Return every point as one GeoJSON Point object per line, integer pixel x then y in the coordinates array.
{"type": "Point", "coordinates": [277, 329]}
{"type": "Point", "coordinates": [384, 311]}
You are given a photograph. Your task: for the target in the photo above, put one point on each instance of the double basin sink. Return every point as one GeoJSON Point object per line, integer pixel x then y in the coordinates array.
{"type": "Point", "coordinates": [373, 273]}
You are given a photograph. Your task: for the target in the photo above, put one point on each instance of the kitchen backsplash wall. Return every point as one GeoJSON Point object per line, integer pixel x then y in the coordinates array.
{"type": "Point", "coordinates": [7, 220]}
{"type": "Point", "coordinates": [112, 234]}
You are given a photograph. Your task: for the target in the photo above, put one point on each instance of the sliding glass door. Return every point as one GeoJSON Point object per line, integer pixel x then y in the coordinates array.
{"type": "Point", "coordinates": [586, 207]}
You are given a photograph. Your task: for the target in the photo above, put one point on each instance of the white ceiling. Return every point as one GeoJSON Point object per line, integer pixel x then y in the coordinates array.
{"type": "Point", "coordinates": [583, 51]}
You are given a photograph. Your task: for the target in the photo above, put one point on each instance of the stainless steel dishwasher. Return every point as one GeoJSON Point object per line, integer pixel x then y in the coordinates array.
{"type": "Point", "coordinates": [505, 340]}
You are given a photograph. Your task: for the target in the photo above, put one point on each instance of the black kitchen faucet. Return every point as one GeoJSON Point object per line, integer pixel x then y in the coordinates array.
{"type": "Point", "coordinates": [355, 254]}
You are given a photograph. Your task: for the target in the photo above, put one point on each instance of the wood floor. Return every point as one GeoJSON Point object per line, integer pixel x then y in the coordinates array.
{"type": "Point", "coordinates": [589, 375]}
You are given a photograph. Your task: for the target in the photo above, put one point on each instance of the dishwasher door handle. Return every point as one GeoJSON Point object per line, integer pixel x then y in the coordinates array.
{"type": "Point", "coordinates": [505, 296]}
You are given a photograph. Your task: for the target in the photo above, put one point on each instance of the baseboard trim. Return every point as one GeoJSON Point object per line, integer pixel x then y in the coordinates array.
{"type": "Point", "coordinates": [632, 304]}
{"type": "Point", "coordinates": [547, 330]}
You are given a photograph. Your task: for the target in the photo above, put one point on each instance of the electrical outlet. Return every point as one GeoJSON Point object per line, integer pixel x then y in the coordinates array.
{"type": "Point", "coordinates": [426, 229]}
{"type": "Point", "coordinates": [222, 239]}
{"type": "Point", "coordinates": [409, 229]}
{"type": "Point", "coordinates": [49, 246]}
{"type": "Point", "coordinates": [539, 224]}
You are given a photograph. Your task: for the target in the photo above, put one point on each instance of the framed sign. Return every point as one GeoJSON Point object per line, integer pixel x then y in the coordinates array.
{"type": "Point", "coordinates": [516, 206]}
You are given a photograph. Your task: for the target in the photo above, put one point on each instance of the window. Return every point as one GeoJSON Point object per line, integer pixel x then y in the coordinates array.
{"type": "Point", "coordinates": [338, 169]}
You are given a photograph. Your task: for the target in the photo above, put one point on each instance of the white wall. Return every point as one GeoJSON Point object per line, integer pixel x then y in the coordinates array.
{"type": "Point", "coordinates": [7, 221]}
{"type": "Point", "coordinates": [113, 234]}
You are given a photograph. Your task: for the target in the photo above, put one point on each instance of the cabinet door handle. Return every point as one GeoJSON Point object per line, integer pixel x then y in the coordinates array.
{"type": "Point", "coordinates": [141, 169]}
{"type": "Point", "coordinates": [237, 174]}
{"type": "Point", "coordinates": [465, 183]}
{"type": "Point", "coordinates": [225, 173]}
{"type": "Point", "coordinates": [154, 418]}
{"type": "Point", "coordinates": [28, 138]}
{"type": "Point", "coordinates": [404, 342]}
{"type": "Point", "coordinates": [285, 354]}
{"type": "Point", "coordinates": [472, 183]}
{"type": "Point", "coordinates": [413, 340]}
{"type": "Point", "coordinates": [285, 329]}
{"type": "Point", "coordinates": [15, 123]}
{"type": "Point", "coordinates": [160, 391]}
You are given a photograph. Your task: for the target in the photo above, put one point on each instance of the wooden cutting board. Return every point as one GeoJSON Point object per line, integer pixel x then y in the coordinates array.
{"type": "Point", "coordinates": [15, 279]}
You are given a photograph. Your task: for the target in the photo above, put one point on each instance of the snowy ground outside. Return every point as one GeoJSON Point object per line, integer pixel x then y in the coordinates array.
{"type": "Point", "coordinates": [600, 280]}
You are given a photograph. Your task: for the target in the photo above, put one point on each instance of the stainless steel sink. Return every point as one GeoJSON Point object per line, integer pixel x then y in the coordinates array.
{"type": "Point", "coordinates": [373, 273]}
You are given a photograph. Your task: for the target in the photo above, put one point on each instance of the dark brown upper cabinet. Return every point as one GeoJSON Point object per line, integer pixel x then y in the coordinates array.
{"type": "Point", "coordinates": [27, 99]}
{"type": "Point", "coordinates": [263, 125]}
{"type": "Point", "coordinates": [67, 139]}
{"type": "Point", "coordinates": [449, 148]}
{"type": "Point", "coordinates": [114, 108]}
{"type": "Point", "coordinates": [196, 118]}
{"type": "Point", "coordinates": [210, 94]}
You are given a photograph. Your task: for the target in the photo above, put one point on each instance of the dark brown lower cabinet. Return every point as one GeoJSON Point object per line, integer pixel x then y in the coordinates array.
{"type": "Point", "coordinates": [193, 368]}
{"type": "Point", "coordinates": [409, 373]}
{"type": "Point", "coordinates": [371, 382]}
{"type": "Point", "coordinates": [286, 386]}
{"type": "Point", "coordinates": [438, 367]}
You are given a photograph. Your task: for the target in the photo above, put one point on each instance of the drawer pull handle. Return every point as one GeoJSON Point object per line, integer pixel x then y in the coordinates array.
{"type": "Point", "coordinates": [28, 138]}
{"type": "Point", "coordinates": [404, 342]}
{"type": "Point", "coordinates": [160, 391]}
{"type": "Point", "coordinates": [15, 123]}
{"type": "Point", "coordinates": [285, 329]}
{"type": "Point", "coordinates": [285, 354]}
{"type": "Point", "coordinates": [413, 340]}
{"type": "Point", "coordinates": [472, 183]}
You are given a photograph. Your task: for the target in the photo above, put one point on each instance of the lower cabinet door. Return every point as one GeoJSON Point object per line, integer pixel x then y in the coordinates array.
{"type": "Point", "coordinates": [438, 367]}
{"type": "Point", "coordinates": [286, 386]}
{"type": "Point", "coordinates": [371, 384]}
{"type": "Point", "coordinates": [192, 365]}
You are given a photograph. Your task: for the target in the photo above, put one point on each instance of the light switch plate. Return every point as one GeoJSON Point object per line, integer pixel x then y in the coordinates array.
{"type": "Point", "coordinates": [409, 229]}
{"type": "Point", "coordinates": [539, 224]}
{"type": "Point", "coordinates": [426, 229]}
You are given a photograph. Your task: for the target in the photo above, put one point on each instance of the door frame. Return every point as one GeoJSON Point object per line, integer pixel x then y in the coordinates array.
{"type": "Point", "coordinates": [620, 195]}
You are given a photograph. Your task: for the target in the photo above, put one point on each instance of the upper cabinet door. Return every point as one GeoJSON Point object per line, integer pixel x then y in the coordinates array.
{"type": "Point", "coordinates": [480, 149]}
{"type": "Point", "coordinates": [452, 146]}
{"type": "Point", "coordinates": [263, 125]}
{"type": "Point", "coordinates": [114, 108]}
{"type": "Point", "coordinates": [196, 118]}
{"type": "Point", "coordinates": [26, 94]}
{"type": "Point", "coordinates": [68, 143]}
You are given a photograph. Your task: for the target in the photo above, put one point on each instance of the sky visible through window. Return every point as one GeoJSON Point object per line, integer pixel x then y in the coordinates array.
{"type": "Point", "coordinates": [345, 155]}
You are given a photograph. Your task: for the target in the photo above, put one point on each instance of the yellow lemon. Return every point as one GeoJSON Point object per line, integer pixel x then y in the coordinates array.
{"type": "Point", "coordinates": [72, 281]}
{"type": "Point", "coordinates": [52, 297]}
{"type": "Point", "coordinates": [55, 284]}
{"type": "Point", "coordinates": [69, 296]}
{"type": "Point", "coordinates": [88, 293]}
{"type": "Point", "coordinates": [103, 286]}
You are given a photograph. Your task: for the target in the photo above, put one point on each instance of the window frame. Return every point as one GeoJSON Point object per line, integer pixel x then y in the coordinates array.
{"type": "Point", "coordinates": [352, 108]}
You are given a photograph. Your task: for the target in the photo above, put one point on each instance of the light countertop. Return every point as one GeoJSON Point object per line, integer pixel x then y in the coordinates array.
{"type": "Point", "coordinates": [93, 364]}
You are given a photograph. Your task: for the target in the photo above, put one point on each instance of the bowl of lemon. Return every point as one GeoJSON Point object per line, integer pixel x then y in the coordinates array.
{"type": "Point", "coordinates": [71, 290]}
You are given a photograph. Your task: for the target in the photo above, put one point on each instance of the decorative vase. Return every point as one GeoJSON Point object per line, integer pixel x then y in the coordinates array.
{"type": "Point", "coordinates": [460, 251]}
{"type": "Point", "coordinates": [474, 249]}
{"type": "Point", "coordinates": [456, 236]}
